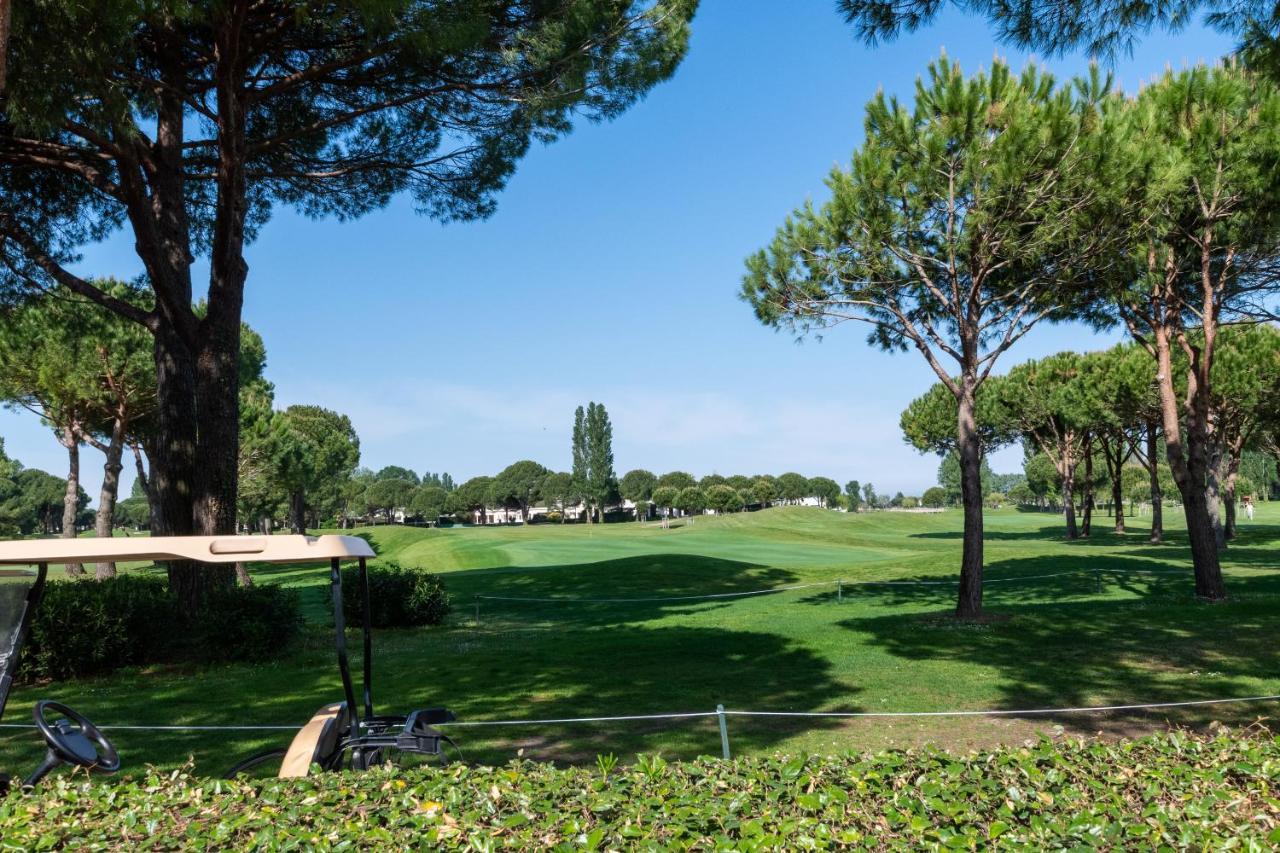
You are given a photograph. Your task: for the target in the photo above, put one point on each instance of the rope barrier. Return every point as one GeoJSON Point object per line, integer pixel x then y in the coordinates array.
{"type": "Point", "coordinates": [173, 728]}
{"type": "Point", "coordinates": [1085, 709]}
{"type": "Point", "coordinates": [724, 712]}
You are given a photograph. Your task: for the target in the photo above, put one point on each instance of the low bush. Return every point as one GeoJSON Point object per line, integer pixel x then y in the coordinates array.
{"type": "Point", "coordinates": [242, 623]}
{"type": "Point", "coordinates": [1173, 791]}
{"type": "Point", "coordinates": [398, 597]}
{"type": "Point", "coordinates": [86, 627]}
{"type": "Point", "coordinates": [93, 627]}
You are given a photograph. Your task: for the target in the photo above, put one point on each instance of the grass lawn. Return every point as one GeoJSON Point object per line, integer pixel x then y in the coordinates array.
{"type": "Point", "coordinates": [1060, 642]}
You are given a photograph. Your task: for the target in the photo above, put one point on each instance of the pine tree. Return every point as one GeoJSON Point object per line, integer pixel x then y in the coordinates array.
{"type": "Point", "coordinates": [960, 223]}
{"type": "Point", "coordinates": [186, 124]}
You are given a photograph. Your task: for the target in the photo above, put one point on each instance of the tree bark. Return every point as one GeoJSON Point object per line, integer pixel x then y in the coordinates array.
{"type": "Point", "coordinates": [173, 462]}
{"type": "Point", "coordinates": [243, 578]}
{"type": "Point", "coordinates": [1067, 473]}
{"type": "Point", "coordinates": [1229, 491]}
{"type": "Point", "coordinates": [1157, 497]}
{"type": "Point", "coordinates": [1114, 450]}
{"type": "Point", "coordinates": [1087, 526]}
{"type": "Point", "coordinates": [297, 512]}
{"type": "Point", "coordinates": [1189, 465]}
{"type": "Point", "coordinates": [104, 521]}
{"type": "Point", "coordinates": [71, 497]}
{"type": "Point", "coordinates": [146, 485]}
{"type": "Point", "coordinates": [1213, 492]}
{"type": "Point", "coordinates": [969, 597]}
{"type": "Point", "coordinates": [6, 13]}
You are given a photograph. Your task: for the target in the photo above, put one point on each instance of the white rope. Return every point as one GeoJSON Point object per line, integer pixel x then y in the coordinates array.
{"type": "Point", "coordinates": [991, 712]}
{"type": "Point", "coordinates": [1087, 709]}
{"type": "Point", "coordinates": [173, 728]}
{"type": "Point", "coordinates": [682, 716]}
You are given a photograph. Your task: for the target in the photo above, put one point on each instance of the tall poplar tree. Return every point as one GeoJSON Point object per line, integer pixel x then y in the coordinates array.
{"type": "Point", "coordinates": [581, 470]}
{"type": "Point", "coordinates": [602, 482]}
{"type": "Point", "coordinates": [962, 222]}
{"type": "Point", "coordinates": [186, 123]}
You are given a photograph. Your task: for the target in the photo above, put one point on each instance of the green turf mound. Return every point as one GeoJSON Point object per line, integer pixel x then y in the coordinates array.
{"type": "Point", "coordinates": [1171, 791]}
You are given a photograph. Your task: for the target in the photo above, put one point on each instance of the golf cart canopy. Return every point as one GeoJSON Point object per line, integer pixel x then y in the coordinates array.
{"type": "Point", "coordinates": [205, 549]}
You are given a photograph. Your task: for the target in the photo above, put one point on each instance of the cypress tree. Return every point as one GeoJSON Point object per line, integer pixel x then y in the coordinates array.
{"type": "Point", "coordinates": [602, 482]}
{"type": "Point", "coordinates": [580, 464]}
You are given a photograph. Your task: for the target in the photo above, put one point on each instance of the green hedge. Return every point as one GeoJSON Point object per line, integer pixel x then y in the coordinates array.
{"type": "Point", "coordinates": [398, 597]}
{"type": "Point", "coordinates": [1174, 791]}
{"type": "Point", "coordinates": [91, 627]}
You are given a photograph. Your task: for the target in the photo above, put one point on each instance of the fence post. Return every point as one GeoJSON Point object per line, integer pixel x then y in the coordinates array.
{"type": "Point", "coordinates": [724, 731]}
{"type": "Point", "coordinates": [840, 590]}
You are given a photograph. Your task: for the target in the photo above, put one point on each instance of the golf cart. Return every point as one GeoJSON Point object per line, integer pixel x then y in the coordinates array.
{"type": "Point", "coordinates": [337, 736]}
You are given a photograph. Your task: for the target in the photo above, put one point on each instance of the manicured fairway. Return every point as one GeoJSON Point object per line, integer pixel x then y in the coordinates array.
{"type": "Point", "coordinates": [1059, 641]}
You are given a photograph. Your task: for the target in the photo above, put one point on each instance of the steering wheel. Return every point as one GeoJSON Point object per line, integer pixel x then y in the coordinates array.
{"type": "Point", "coordinates": [72, 740]}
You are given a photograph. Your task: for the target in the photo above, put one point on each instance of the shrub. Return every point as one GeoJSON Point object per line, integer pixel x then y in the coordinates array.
{"type": "Point", "coordinates": [1171, 792]}
{"type": "Point", "coordinates": [87, 627]}
{"type": "Point", "coordinates": [93, 627]}
{"type": "Point", "coordinates": [934, 496]}
{"type": "Point", "coordinates": [398, 597]}
{"type": "Point", "coordinates": [245, 623]}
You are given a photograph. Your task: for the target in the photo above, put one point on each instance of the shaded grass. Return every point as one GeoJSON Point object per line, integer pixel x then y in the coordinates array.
{"type": "Point", "coordinates": [1142, 638]}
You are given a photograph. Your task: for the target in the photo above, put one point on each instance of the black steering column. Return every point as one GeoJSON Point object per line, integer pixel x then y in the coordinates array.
{"type": "Point", "coordinates": [73, 740]}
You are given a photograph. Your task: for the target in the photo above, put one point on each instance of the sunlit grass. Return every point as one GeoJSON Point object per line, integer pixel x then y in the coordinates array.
{"type": "Point", "coordinates": [1060, 642]}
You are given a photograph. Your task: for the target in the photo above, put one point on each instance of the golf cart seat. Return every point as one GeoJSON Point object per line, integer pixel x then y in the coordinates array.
{"type": "Point", "coordinates": [315, 742]}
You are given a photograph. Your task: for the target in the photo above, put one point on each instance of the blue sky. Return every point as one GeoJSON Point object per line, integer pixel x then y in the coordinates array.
{"type": "Point", "coordinates": [610, 273]}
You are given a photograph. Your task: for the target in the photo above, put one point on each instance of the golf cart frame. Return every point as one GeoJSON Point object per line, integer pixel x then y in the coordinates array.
{"type": "Point", "coordinates": [337, 736]}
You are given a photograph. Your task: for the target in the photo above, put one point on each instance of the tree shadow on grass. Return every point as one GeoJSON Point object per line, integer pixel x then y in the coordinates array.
{"type": "Point", "coordinates": [1029, 580]}
{"type": "Point", "coordinates": [1153, 648]}
{"type": "Point", "coordinates": [609, 592]}
{"type": "Point", "coordinates": [1103, 534]}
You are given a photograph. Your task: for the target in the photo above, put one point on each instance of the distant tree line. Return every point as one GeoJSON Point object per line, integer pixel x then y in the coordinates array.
{"type": "Point", "coordinates": [591, 492]}
{"type": "Point", "coordinates": [1093, 430]}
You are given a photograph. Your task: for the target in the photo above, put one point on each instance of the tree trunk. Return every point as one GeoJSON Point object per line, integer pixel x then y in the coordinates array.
{"type": "Point", "coordinates": [141, 471]}
{"type": "Point", "coordinates": [104, 521]}
{"type": "Point", "coordinates": [243, 578]}
{"type": "Point", "coordinates": [1229, 490]}
{"type": "Point", "coordinates": [218, 438]}
{"type": "Point", "coordinates": [297, 512]}
{"type": "Point", "coordinates": [1213, 492]}
{"type": "Point", "coordinates": [6, 12]}
{"type": "Point", "coordinates": [1189, 465]}
{"type": "Point", "coordinates": [1087, 526]}
{"type": "Point", "coordinates": [1157, 497]}
{"type": "Point", "coordinates": [969, 597]}
{"type": "Point", "coordinates": [1068, 475]}
{"type": "Point", "coordinates": [71, 497]}
{"type": "Point", "coordinates": [191, 426]}
{"type": "Point", "coordinates": [1229, 511]}
{"type": "Point", "coordinates": [1115, 470]}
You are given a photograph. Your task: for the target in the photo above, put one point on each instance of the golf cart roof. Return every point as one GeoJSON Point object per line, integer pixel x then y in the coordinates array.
{"type": "Point", "coordinates": [206, 549]}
